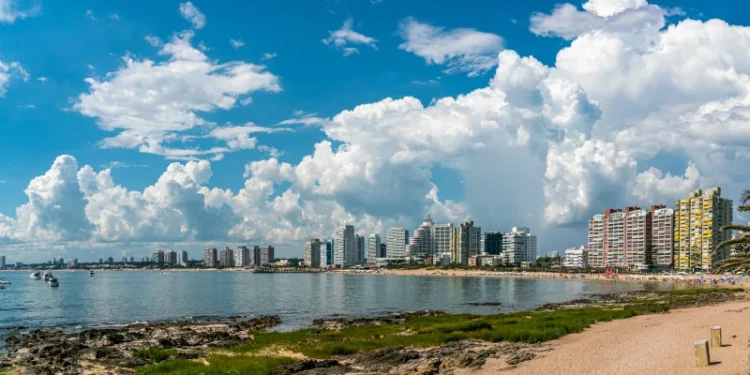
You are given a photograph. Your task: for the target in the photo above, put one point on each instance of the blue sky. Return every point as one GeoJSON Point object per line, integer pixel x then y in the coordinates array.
{"type": "Point", "coordinates": [60, 44]}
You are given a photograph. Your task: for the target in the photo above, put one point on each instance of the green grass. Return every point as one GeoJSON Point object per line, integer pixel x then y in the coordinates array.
{"type": "Point", "coordinates": [696, 291]}
{"type": "Point", "coordinates": [256, 355]}
{"type": "Point", "coordinates": [220, 365]}
{"type": "Point", "coordinates": [154, 354]}
{"type": "Point", "coordinates": [429, 331]}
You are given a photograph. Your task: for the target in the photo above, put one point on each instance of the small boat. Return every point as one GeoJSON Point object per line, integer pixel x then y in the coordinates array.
{"type": "Point", "coordinates": [91, 272]}
{"type": "Point", "coordinates": [4, 282]}
{"type": "Point", "coordinates": [47, 275]}
{"type": "Point", "coordinates": [53, 282]}
{"type": "Point", "coordinates": [36, 276]}
{"type": "Point", "coordinates": [2, 287]}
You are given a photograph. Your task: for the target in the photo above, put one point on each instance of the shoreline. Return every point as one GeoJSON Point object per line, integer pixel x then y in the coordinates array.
{"type": "Point", "coordinates": [194, 341]}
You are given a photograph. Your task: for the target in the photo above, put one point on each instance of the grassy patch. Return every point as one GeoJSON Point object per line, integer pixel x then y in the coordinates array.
{"type": "Point", "coordinates": [154, 354]}
{"type": "Point", "coordinates": [428, 331]}
{"type": "Point", "coordinates": [696, 291]}
{"type": "Point", "coordinates": [220, 365]}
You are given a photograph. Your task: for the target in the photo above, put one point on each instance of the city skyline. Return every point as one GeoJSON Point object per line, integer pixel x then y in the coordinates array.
{"type": "Point", "coordinates": [503, 120]}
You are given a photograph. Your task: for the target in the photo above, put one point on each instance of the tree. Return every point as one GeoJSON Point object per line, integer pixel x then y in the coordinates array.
{"type": "Point", "coordinates": [740, 261]}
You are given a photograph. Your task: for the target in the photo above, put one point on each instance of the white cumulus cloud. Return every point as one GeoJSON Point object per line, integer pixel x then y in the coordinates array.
{"type": "Point", "coordinates": [462, 50]}
{"type": "Point", "coordinates": [345, 38]}
{"type": "Point", "coordinates": [192, 14]}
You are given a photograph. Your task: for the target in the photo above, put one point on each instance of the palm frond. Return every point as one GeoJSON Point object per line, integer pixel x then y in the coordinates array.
{"type": "Point", "coordinates": [737, 227]}
{"type": "Point", "coordinates": [743, 208]}
{"type": "Point", "coordinates": [739, 240]}
{"type": "Point", "coordinates": [739, 262]}
{"type": "Point", "coordinates": [745, 196]}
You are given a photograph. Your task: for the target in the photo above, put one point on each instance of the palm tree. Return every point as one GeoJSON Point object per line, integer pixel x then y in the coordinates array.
{"type": "Point", "coordinates": [741, 242]}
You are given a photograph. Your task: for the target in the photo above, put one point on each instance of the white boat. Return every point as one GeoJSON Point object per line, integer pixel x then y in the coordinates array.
{"type": "Point", "coordinates": [36, 276]}
{"type": "Point", "coordinates": [4, 282]}
{"type": "Point", "coordinates": [53, 282]}
{"type": "Point", "coordinates": [91, 272]}
{"type": "Point", "coordinates": [47, 275]}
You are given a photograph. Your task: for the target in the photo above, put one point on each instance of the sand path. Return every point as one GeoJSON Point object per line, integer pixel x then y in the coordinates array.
{"type": "Point", "coordinates": [651, 344]}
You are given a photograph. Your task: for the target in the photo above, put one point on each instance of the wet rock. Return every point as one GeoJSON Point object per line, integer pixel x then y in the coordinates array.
{"type": "Point", "coordinates": [386, 359]}
{"type": "Point", "coordinates": [396, 318]}
{"type": "Point", "coordinates": [42, 352]}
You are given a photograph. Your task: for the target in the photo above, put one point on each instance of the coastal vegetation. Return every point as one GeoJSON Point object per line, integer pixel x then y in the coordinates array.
{"type": "Point", "coordinates": [267, 351]}
{"type": "Point", "coordinates": [740, 260]}
{"type": "Point", "coordinates": [154, 354]}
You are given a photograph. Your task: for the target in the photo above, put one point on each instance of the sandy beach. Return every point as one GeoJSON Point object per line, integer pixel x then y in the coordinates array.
{"type": "Point", "coordinates": [649, 344]}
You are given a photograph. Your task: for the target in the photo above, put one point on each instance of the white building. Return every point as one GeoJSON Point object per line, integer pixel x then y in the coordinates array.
{"type": "Point", "coordinates": [576, 257]}
{"type": "Point", "coordinates": [182, 258]}
{"type": "Point", "coordinates": [326, 253]}
{"type": "Point", "coordinates": [421, 243]}
{"type": "Point", "coordinates": [344, 246]}
{"type": "Point", "coordinates": [519, 246]}
{"type": "Point", "coordinates": [373, 247]}
{"type": "Point", "coordinates": [312, 253]}
{"type": "Point", "coordinates": [396, 241]}
{"type": "Point", "coordinates": [242, 257]}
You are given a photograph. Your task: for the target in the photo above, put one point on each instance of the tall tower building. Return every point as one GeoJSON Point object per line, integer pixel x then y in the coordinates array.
{"type": "Point", "coordinates": [465, 242]}
{"type": "Point", "coordinates": [373, 247]}
{"type": "Point", "coordinates": [698, 220]}
{"type": "Point", "coordinates": [492, 243]}
{"type": "Point", "coordinates": [326, 253]}
{"type": "Point", "coordinates": [637, 238]}
{"type": "Point", "coordinates": [344, 246]}
{"type": "Point", "coordinates": [519, 246]}
{"type": "Point", "coordinates": [182, 258]}
{"type": "Point", "coordinates": [421, 243]}
{"type": "Point", "coordinates": [2, 262]}
{"type": "Point", "coordinates": [312, 253]}
{"type": "Point", "coordinates": [361, 248]}
{"type": "Point", "coordinates": [210, 257]}
{"type": "Point", "coordinates": [441, 238]}
{"type": "Point", "coordinates": [662, 236]}
{"type": "Point", "coordinates": [396, 241]}
{"type": "Point", "coordinates": [227, 257]}
{"type": "Point", "coordinates": [242, 257]}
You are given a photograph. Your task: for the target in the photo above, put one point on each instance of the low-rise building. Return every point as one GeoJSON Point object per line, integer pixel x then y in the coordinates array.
{"type": "Point", "coordinates": [576, 257]}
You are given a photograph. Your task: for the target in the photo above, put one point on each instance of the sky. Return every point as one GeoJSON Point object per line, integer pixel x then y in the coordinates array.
{"type": "Point", "coordinates": [128, 126]}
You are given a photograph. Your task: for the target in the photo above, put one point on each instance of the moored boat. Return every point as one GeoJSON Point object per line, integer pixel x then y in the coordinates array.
{"type": "Point", "coordinates": [4, 282]}
{"type": "Point", "coordinates": [47, 275]}
{"type": "Point", "coordinates": [53, 282]}
{"type": "Point", "coordinates": [36, 276]}
{"type": "Point", "coordinates": [91, 272]}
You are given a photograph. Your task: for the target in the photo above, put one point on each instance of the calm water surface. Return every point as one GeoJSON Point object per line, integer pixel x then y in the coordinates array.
{"type": "Point", "coordinates": [124, 297]}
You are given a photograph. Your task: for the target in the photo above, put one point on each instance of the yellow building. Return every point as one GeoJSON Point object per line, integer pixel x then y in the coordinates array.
{"type": "Point", "coordinates": [697, 223]}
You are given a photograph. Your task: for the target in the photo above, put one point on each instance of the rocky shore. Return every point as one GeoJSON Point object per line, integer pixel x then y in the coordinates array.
{"type": "Point", "coordinates": [111, 350]}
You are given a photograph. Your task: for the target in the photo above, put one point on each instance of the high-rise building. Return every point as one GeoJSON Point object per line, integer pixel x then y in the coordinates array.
{"type": "Point", "coordinates": [576, 257]}
{"type": "Point", "coordinates": [210, 257]}
{"type": "Point", "coordinates": [465, 242]}
{"type": "Point", "coordinates": [111, 260]}
{"type": "Point", "coordinates": [492, 243]}
{"type": "Point", "coordinates": [344, 246]}
{"type": "Point", "coordinates": [441, 238]}
{"type": "Point", "coordinates": [227, 257]}
{"type": "Point", "coordinates": [326, 253]}
{"type": "Point", "coordinates": [637, 238]}
{"type": "Point", "coordinates": [71, 263]}
{"type": "Point", "coordinates": [595, 247]}
{"type": "Point", "coordinates": [662, 236]}
{"type": "Point", "coordinates": [157, 259]}
{"type": "Point", "coordinates": [383, 251]}
{"type": "Point", "coordinates": [263, 255]}
{"type": "Point", "coordinates": [421, 243]}
{"type": "Point", "coordinates": [312, 253]}
{"type": "Point", "coordinates": [242, 257]}
{"type": "Point", "coordinates": [519, 246]}
{"type": "Point", "coordinates": [2, 262]}
{"type": "Point", "coordinates": [170, 258]}
{"type": "Point", "coordinates": [698, 220]}
{"type": "Point", "coordinates": [373, 248]}
{"type": "Point", "coordinates": [361, 248]}
{"type": "Point", "coordinates": [396, 240]}
{"type": "Point", "coordinates": [182, 258]}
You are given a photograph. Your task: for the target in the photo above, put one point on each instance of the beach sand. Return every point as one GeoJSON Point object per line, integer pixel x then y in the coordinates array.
{"type": "Point", "coordinates": [649, 344]}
